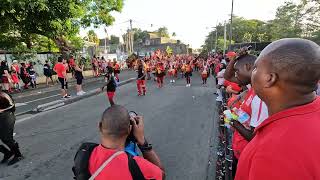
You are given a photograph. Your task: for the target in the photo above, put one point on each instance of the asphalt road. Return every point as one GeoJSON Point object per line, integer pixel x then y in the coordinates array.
{"type": "Point", "coordinates": [179, 122]}
{"type": "Point", "coordinates": [31, 99]}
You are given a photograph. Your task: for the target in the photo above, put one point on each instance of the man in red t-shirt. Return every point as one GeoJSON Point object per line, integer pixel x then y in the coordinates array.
{"type": "Point", "coordinates": [61, 71]}
{"type": "Point", "coordinates": [252, 111]}
{"type": "Point", "coordinates": [115, 128]}
{"type": "Point", "coordinates": [286, 144]}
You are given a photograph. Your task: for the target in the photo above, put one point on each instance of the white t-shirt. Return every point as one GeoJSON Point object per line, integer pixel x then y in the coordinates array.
{"type": "Point", "coordinates": [221, 80]}
{"type": "Point", "coordinates": [259, 111]}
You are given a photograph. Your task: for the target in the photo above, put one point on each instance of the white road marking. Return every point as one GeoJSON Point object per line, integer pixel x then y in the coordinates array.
{"type": "Point", "coordinates": [42, 98]}
{"type": "Point", "coordinates": [20, 104]}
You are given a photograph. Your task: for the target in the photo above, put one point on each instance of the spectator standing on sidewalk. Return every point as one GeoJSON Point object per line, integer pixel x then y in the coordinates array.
{"type": "Point", "coordinates": [7, 122]}
{"type": "Point", "coordinates": [78, 69]}
{"type": "Point", "coordinates": [25, 77]}
{"type": "Point", "coordinates": [33, 76]}
{"type": "Point", "coordinates": [5, 76]}
{"type": "Point", "coordinates": [252, 112]}
{"type": "Point", "coordinates": [61, 71]}
{"type": "Point", "coordinates": [286, 144]}
{"type": "Point", "coordinates": [47, 71]}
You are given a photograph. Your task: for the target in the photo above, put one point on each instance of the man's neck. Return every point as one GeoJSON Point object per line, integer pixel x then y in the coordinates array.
{"type": "Point", "coordinates": [113, 144]}
{"type": "Point", "coordinates": [286, 102]}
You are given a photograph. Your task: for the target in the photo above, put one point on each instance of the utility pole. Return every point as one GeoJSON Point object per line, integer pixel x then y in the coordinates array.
{"type": "Point", "coordinates": [225, 38]}
{"type": "Point", "coordinates": [131, 36]}
{"type": "Point", "coordinates": [216, 43]}
{"type": "Point", "coordinates": [230, 35]}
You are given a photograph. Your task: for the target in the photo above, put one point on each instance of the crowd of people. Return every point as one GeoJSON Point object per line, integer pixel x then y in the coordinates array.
{"type": "Point", "coordinates": [273, 113]}
{"type": "Point", "coordinates": [272, 110]}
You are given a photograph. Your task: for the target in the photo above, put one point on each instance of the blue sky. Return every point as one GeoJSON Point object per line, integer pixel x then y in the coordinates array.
{"type": "Point", "coordinates": [189, 19]}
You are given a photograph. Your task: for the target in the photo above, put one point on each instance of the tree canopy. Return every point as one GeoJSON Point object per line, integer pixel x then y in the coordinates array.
{"type": "Point", "coordinates": [291, 20]}
{"type": "Point", "coordinates": [59, 20]}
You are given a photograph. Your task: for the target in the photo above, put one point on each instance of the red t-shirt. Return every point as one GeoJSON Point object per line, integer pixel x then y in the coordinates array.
{"type": "Point", "coordinates": [60, 69]}
{"type": "Point", "coordinates": [118, 167]}
{"type": "Point", "coordinates": [257, 111]}
{"type": "Point", "coordinates": [72, 62]}
{"type": "Point", "coordinates": [286, 146]}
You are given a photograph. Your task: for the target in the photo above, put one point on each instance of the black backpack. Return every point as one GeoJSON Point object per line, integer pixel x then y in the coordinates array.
{"type": "Point", "coordinates": [81, 163]}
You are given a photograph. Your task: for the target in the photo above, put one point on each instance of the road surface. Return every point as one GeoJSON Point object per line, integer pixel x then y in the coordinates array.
{"type": "Point", "coordinates": [179, 122]}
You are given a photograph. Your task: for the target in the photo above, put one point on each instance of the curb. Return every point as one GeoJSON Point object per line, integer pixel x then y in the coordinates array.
{"type": "Point", "coordinates": [59, 103]}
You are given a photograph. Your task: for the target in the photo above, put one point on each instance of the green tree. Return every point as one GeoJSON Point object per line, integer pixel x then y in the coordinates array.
{"type": "Point", "coordinates": [57, 20]}
{"type": "Point", "coordinates": [114, 40]}
{"type": "Point", "coordinates": [163, 32]}
{"type": "Point", "coordinates": [288, 21]}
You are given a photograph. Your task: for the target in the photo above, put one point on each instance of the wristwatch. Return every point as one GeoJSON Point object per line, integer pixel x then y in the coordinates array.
{"type": "Point", "coordinates": [145, 147]}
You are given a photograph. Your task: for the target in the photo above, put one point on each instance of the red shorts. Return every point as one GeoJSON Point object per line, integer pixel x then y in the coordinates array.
{"type": "Point", "coordinates": [110, 95]}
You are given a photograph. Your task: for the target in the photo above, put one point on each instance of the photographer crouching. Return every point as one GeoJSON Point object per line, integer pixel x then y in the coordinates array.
{"type": "Point", "coordinates": [110, 159]}
{"type": "Point", "coordinates": [7, 121]}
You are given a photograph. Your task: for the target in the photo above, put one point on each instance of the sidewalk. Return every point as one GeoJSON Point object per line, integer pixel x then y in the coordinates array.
{"type": "Point", "coordinates": [41, 84]}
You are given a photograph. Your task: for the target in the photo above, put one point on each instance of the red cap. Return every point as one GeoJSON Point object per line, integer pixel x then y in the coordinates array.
{"type": "Point", "coordinates": [231, 54]}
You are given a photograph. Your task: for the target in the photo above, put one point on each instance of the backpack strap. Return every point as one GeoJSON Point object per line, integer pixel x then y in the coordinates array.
{"type": "Point", "coordinates": [134, 168]}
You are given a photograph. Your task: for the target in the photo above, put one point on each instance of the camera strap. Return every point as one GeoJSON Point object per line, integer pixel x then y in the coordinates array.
{"type": "Point", "coordinates": [95, 174]}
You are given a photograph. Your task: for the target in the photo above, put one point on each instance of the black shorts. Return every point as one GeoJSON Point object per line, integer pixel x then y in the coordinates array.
{"type": "Point", "coordinates": [64, 85]}
{"type": "Point", "coordinates": [79, 81]}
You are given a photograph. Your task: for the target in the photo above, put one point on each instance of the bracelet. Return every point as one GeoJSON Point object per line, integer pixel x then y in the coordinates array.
{"type": "Point", "coordinates": [145, 147]}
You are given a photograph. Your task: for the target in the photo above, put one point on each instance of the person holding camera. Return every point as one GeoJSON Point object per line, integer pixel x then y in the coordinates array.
{"type": "Point", "coordinates": [108, 160]}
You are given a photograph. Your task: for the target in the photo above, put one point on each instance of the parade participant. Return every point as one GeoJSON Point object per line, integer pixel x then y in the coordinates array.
{"type": "Point", "coordinates": [111, 87]}
{"type": "Point", "coordinates": [141, 82]}
{"type": "Point", "coordinates": [61, 71]}
{"type": "Point", "coordinates": [160, 73]}
{"type": "Point", "coordinates": [7, 109]}
{"type": "Point", "coordinates": [188, 73]}
{"type": "Point", "coordinates": [172, 71]}
{"type": "Point", "coordinates": [116, 68]}
{"type": "Point", "coordinates": [47, 71]}
{"type": "Point", "coordinates": [285, 77]}
{"type": "Point", "coordinates": [204, 73]}
{"type": "Point", "coordinates": [78, 69]}
{"type": "Point", "coordinates": [148, 70]}
{"type": "Point", "coordinates": [5, 76]}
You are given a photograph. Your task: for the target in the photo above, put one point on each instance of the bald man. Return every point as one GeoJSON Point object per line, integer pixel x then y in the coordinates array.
{"type": "Point", "coordinates": [114, 129]}
{"type": "Point", "coordinates": [287, 144]}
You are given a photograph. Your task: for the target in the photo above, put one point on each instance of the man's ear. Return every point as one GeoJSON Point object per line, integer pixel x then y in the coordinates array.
{"type": "Point", "coordinates": [271, 80]}
{"type": "Point", "coordinates": [248, 67]}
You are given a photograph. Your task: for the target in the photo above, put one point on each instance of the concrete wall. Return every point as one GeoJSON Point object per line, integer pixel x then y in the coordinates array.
{"type": "Point", "coordinates": [39, 60]}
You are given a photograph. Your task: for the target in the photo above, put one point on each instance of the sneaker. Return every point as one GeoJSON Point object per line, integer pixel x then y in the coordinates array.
{"type": "Point", "coordinates": [15, 160]}
{"type": "Point", "coordinates": [187, 85]}
{"type": "Point", "coordinates": [79, 93]}
{"type": "Point", "coordinates": [67, 96]}
{"type": "Point", "coordinates": [173, 81]}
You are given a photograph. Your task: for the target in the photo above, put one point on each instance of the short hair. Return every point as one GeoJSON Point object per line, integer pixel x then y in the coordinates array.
{"type": "Point", "coordinates": [60, 59]}
{"type": "Point", "coordinates": [246, 59]}
{"type": "Point", "coordinates": [297, 61]}
{"type": "Point", "coordinates": [115, 121]}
